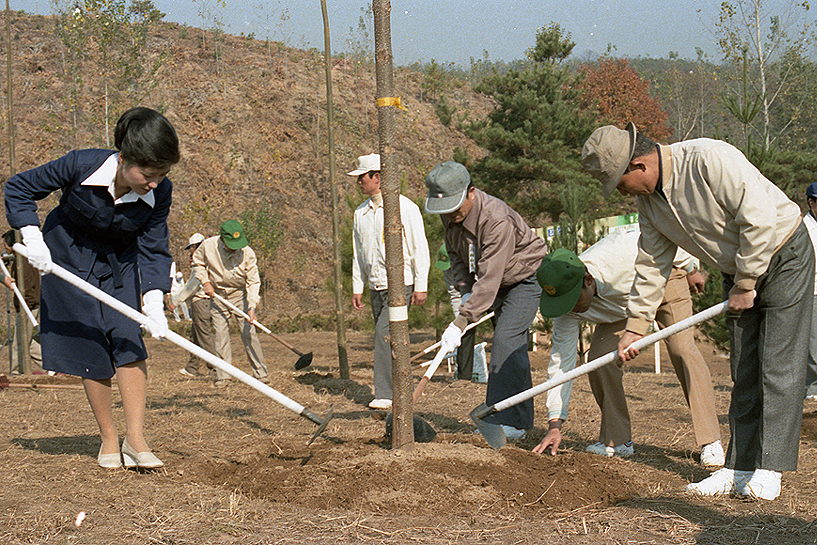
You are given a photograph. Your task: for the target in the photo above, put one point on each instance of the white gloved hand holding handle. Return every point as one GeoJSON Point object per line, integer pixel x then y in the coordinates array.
{"type": "Point", "coordinates": [153, 308]}
{"type": "Point", "coordinates": [450, 339]}
{"type": "Point", "coordinates": [38, 253]}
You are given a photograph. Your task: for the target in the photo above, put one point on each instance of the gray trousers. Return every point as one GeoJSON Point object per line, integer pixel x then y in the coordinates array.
{"type": "Point", "coordinates": [382, 347]}
{"type": "Point", "coordinates": [768, 358]}
{"type": "Point", "coordinates": [221, 326]}
{"type": "Point", "coordinates": [811, 370]}
{"type": "Point", "coordinates": [201, 333]}
{"type": "Point", "coordinates": [509, 372]}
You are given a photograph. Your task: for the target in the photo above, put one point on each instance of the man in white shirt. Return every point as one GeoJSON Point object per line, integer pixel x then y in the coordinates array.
{"type": "Point", "coordinates": [595, 287]}
{"type": "Point", "coordinates": [369, 266]}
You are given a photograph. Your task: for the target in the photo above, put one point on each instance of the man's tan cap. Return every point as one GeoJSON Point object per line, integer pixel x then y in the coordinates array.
{"type": "Point", "coordinates": [607, 153]}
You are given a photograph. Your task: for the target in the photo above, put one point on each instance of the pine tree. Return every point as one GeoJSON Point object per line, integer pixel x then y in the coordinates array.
{"type": "Point", "coordinates": [535, 133]}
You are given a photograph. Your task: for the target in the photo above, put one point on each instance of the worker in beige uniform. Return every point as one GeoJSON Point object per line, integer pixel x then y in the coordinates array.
{"type": "Point", "coordinates": [594, 287]}
{"type": "Point", "coordinates": [227, 266]}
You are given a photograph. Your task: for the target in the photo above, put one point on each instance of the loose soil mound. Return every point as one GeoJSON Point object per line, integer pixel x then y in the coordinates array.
{"type": "Point", "coordinates": [458, 478]}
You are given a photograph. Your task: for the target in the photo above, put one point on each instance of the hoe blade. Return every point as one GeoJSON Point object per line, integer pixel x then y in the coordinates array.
{"type": "Point", "coordinates": [492, 433]}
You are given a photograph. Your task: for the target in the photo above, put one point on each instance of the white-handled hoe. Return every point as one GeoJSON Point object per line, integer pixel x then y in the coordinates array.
{"type": "Point", "coordinates": [494, 434]}
{"type": "Point", "coordinates": [177, 339]}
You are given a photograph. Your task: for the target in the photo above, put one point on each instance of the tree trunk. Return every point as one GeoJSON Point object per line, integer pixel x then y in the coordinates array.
{"type": "Point", "coordinates": [22, 347]}
{"type": "Point", "coordinates": [343, 358]}
{"type": "Point", "coordinates": [403, 434]}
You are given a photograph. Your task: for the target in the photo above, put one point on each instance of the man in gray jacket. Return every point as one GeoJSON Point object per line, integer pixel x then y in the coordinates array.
{"type": "Point", "coordinates": [706, 197]}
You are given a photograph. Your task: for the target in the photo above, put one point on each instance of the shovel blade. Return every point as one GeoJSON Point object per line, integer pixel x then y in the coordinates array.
{"type": "Point", "coordinates": [304, 361]}
{"type": "Point", "coordinates": [423, 431]}
{"type": "Point", "coordinates": [493, 433]}
{"type": "Point", "coordinates": [322, 422]}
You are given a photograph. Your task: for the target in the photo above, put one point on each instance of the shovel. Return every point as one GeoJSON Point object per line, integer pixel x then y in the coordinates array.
{"type": "Point", "coordinates": [435, 363]}
{"type": "Point", "coordinates": [419, 355]}
{"type": "Point", "coordinates": [177, 339]}
{"type": "Point", "coordinates": [303, 361]}
{"type": "Point", "coordinates": [494, 434]}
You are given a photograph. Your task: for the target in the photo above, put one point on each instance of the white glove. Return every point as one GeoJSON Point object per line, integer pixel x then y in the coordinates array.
{"type": "Point", "coordinates": [154, 309]}
{"type": "Point", "coordinates": [38, 253]}
{"type": "Point", "coordinates": [464, 297]}
{"type": "Point", "coordinates": [450, 339]}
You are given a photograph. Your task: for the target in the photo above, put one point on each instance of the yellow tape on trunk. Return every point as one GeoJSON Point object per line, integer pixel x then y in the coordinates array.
{"type": "Point", "coordinates": [391, 101]}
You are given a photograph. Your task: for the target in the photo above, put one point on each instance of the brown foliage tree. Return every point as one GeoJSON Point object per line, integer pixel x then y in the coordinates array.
{"type": "Point", "coordinates": [619, 95]}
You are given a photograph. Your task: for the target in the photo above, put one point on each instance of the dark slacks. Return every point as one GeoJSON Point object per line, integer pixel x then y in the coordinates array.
{"type": "Point", "coordinates": [768, 359]}
{"type": "Point", "coordinates": [382, 347]}
{"type": "Point", "coordinates": [509, 372]}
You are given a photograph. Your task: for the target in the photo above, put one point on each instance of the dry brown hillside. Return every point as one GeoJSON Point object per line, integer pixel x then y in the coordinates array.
{"type": "Point", "coordinates": [252, 123]}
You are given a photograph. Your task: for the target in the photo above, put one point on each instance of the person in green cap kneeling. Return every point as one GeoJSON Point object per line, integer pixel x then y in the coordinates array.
{"type": "Point", "coordinates": [595, 288]}
{"type": "Point", "coordinates": [227, 266]}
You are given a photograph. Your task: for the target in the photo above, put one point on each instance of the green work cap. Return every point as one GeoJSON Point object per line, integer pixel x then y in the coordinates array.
{"type": "Point", "coordinates": [561, 276]}
{"type": "Point", "coordinates": [442, 259]}
{"type": "Point", "coordinates": [232, 233]}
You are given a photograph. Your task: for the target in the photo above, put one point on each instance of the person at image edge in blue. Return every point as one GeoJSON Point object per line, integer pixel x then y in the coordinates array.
{"type": "Point", "coordinates": [110, 229]}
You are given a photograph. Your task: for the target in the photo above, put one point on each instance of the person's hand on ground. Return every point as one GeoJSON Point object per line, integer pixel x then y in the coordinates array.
{"type": "Point", "coordinates": [552, 439]}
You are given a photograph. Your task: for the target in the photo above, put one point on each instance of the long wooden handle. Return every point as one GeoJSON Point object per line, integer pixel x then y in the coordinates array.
{"type": "Point", "coordinates": [437, 344]}
{"type": "Point", "coordinates": [427, 376]}
{"type": "Point", "coordinates": [19, 295]}
{"type": "Point", "coordinates": [175, 338]}
{"type": "Point", "coordinates": [255, 323]}
{"type": "Point", "coordinates": [604, 360]}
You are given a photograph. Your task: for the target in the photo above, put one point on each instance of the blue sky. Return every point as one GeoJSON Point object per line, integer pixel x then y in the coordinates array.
{"type": "Point", "coordinates": [455, 31]}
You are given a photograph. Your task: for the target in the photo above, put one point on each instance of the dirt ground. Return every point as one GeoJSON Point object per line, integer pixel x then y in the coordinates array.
{"type": "Point", "coordinates": [238, 468]}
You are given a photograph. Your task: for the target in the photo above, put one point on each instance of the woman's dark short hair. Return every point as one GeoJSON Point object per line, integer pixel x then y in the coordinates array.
{"type": "Point", "coordinates": [144, 137]}
{"type": "Point", "coordinates": [643, 145]}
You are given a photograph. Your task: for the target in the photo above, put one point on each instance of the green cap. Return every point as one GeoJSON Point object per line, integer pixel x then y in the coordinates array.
{"type": "Point", "coordinates": [561, 276]}
{"type": "Point", "coordinates": [232, 233]}
{"type": "Point", "coordinates": [442, 259]}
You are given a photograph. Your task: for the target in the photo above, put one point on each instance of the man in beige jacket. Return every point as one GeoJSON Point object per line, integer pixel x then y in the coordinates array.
{"type": "Point", "coordinates": [227, 266]}
{"type": "Point", "coordinates": [706, 197]}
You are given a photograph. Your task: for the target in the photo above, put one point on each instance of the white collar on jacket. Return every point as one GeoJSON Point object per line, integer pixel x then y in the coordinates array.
{"type": "Point", "coordinates": [105, 176]}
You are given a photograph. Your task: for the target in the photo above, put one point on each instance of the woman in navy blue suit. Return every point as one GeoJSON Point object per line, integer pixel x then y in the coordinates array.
{"type": "Point", "coordinates": [110, 229]}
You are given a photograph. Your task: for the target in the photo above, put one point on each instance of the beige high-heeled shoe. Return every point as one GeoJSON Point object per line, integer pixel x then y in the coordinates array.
{"type": "Point", "coordinates": [109, 461]}
{"type": "Point", "coordinates": [139, 460]}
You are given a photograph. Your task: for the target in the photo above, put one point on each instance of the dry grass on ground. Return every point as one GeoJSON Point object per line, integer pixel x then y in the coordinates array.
{"type": "Point", "coordinates": [238, 468]}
